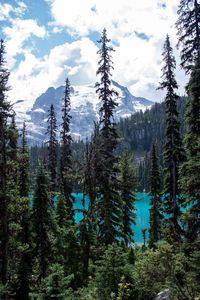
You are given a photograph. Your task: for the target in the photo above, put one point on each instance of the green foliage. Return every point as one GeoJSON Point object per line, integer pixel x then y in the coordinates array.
{"type": "Point", "coordinates": [24, 164]}
{"type": "Point", "coordinates": [91, 169]}
{"type": "Point", "coordinates": [43, 223]}
{"type": "Point", "coordinates": [190, 180]}
{"type": "Point", "coordinates": [112, 270]}
{"type": "Point", "coordinates": [44, 255]}
{"type": "Point", "coordinates": [108, 196]}
{"type": "Point", "coordinates": [52, 147]}
{"type": "Point", "coordinates": [66, 153]}
{"type": "Point", "coordinates": [6, 168]}
{"type": "Point", "coordinates": [173, 151]}
{"type": "Point", "coordinates": [67, 249]}
{"type": "Point", "coordinates": [152, 271]}
{"type": "Point", "coordinates": [140, 131]}
{"type": "Point", "coordinates": [155, 218]}
{"type": "Point", "coordinates": [123, 291]}
{"type": "Point", "coordinates": [188, 25]}
{"type": "Point", "coordinates": [56, 285]}
{"type": "Point", "coordinates": [127, 187]}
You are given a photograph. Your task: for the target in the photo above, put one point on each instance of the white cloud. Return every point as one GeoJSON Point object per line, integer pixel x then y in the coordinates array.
{"type": "Point", "coordinates": [33, 76]}
{"type": "Point", "coordinates": [17, 34]}
{"type": "Point", "coordinates": [6, 9]}
{"type": "Point", "coordinates": [138, 65]}
{"type": "Point", "coordinates": [119, 17]}
{"type": "Point", "coordinates": [137, 62]}
{"type": "Point", "coordinates": [20, 9]}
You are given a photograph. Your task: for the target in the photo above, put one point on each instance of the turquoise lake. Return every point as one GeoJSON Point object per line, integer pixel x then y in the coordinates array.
{"type": "Point", "coordinates": [142, 213]}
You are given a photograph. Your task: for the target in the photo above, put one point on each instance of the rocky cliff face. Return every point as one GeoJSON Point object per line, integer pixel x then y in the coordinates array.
{"type": "Point", "coordinates": [84, 110]}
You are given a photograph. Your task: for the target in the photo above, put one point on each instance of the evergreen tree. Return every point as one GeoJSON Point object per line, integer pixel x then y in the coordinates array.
{"type": "Point", "coordinates": [155, 203]}
{"type": "Point", "coordinates": [56, 285]}
{"type": "Point", "coordinates": [4, 114]}
{"type": "Point", "coordinates": [144, 236]}
{"type": "Point", "coordinates": [111, 268]}
{"type": "Point", "coordinates": [127, 193]}
{"type": "Point", "coordinates": [87, 238]}
{"type": "Point", "coordinates": [190, 180]}
{"type": "Point", "coordinates": [16, 207]}
{"type": "Point", "coordinates": [52, 147]}
{"type": "Point", "coordinates": [12, 139]}
{"type": "Point", "coordinates": [25, 264]}
{"type": "Point", "coordinates": [144, 172]}
{"type": "Point", "coordinates": [108, 196]}
{"type": "Point", "coordinates": [91, 170]}
{"type": "Point", "coordinates": [173, 153]}
{"type": "Point", "coordinates": [25, 235]}
{"type": "Point", "coordinates": [67, 248]}
{"type": "Point", "coordinates": [23, 165]}
{"type": "Point", "coordinates": [42, 222]}
{"type": "Point", "coordinates": [188, 26]}
{"type": "Point", "coordinates": [88, 225]}
{"type": "Point", "coordinates": [66, 153]}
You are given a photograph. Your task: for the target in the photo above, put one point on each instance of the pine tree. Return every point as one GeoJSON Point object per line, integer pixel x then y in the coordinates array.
{"type": "Point", "coordinates": [88, 225]}
{"type": "Point", "coordinates": [42, 222]}
{"type": "Point", "coordinates": [87, 238]}
{"type": "Point", "coordinates": [127, 189]}
{"type": "Point", "coordinates": [12, 139]}
{"type": "Point", "coordinates": [155, 203]}
{"type": "Point", "coordinates": [52, 147]}
{"type": "Point", "coordinates": [66, 153]}
{"type": "Point", "coordinates": [144, 236]}
{"type": "Point", "coordinates": [56, 285]}
{"type": "Point", "coordinates": [25, 264]}
{"type": "Point", "coordinates": [110, 270]}
{"type": "Point", "coordinates": [188, 26]}
{"type": "Point", "coordinates": [67, 247]}
{"type": "Point", "coordinates": [25, 235]}
{"type": "Point", "coordinates": [190, 180]}
{"type": "Point", "coordinates": [173, 153]}
{"type": "Point", "coordinates": [91, 169]}
{"type": "Point", "coordinates": [23, 165]}
{"type": "Point", "coordinates": [4, 114]}
{"type": "Point", "coordinates": [12, 160]}
{"type": "Point", "coordinates": [108, 202]}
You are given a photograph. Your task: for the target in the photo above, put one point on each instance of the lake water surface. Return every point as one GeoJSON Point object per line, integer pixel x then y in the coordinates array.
{"type": "Point", "coordinates": [142, 213]}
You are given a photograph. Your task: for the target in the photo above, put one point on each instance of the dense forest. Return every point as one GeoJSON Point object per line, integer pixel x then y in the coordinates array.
{"type": "Point", "coordinates": [45, 253]}
{"type": "Point", "coordinates": [137, 134]}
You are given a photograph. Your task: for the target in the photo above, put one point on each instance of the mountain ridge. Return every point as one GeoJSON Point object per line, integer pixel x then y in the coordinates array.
{"type": "Point", "coordinates": [84, 110]}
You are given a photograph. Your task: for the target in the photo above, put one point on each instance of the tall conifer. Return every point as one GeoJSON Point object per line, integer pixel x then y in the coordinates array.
{"type": "Point", "coordinates": [24, 165]}
{"type": "Point", "coordinates": [13, 139]}
{"type": "Point", "coordinates": [127, 188]}
{"type": "Point", "coordinates": [25, 235]}
{"type": "Point", "coordinates": [91, 170]}
{"type": "Point", "coordinates": [155, 218]}
{"type": "Point", "coordinates": [4, 114]}
{"type": "Point", "coordinates": [108, 202]}
{"type": "Point", "coordinates": [52, 147]}
{"type": "Point", "coordinates": [173, 153]}
{"type": "Point", "coordinates": [42, 221]}
{"type": "Point", "coordinates": [67, 247]}
{"type": "Point", "coordinates": [66, 153]}
{"type": "Point", "coordinates": [190, 179]}
{"type": "Point", "coordinates": [188, 26]}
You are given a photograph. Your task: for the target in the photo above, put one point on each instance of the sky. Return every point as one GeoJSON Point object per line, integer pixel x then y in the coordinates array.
{"type": "Point", "coordinates": [49, 40]}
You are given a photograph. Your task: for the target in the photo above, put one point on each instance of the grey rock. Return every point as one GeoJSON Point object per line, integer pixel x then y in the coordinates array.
{"type": "Point", "coordinates": [164, 295]}
{"type": "Point", "coordinates": [84, 110]}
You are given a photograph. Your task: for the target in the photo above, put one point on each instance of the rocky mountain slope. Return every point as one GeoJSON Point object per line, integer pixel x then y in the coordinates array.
{"type": "Point", "coordinates": [84, 110]}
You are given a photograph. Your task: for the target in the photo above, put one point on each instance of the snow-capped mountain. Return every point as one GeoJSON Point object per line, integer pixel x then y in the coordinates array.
{"type": "Point", "coordinates": [84, 110]}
